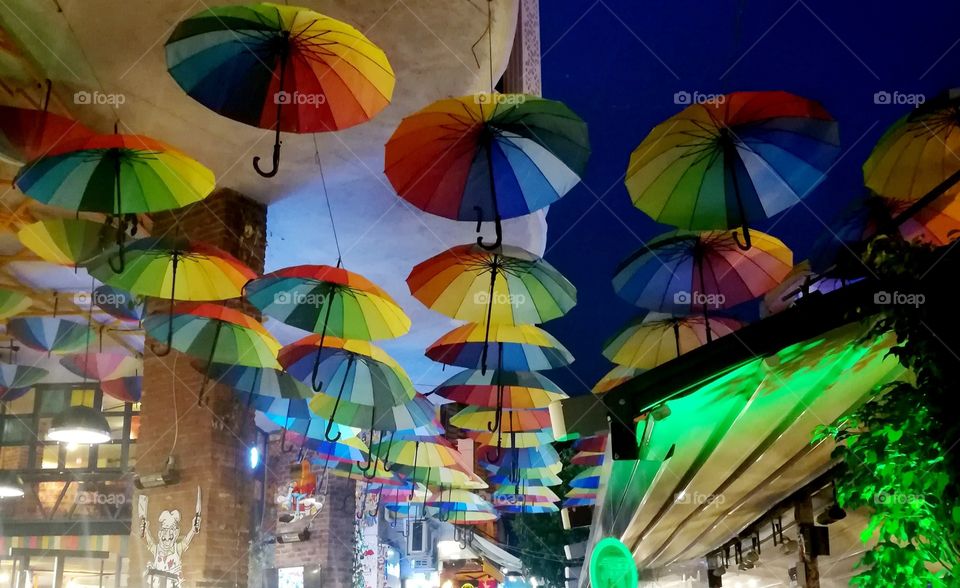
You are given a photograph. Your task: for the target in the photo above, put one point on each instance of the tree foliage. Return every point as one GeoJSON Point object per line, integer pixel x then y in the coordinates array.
{"type": "Point", "coordinates": [897, 447]}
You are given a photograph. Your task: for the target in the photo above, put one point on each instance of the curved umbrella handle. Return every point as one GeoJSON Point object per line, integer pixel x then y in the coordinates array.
{"type": "Point", "coordinates": [283, 440]}
{"type": "Point", "coordinates": [123, 262]}
{"type": "Point", "coordinates": [316, 368]}
{"type": "Point", "coordinates": [498, 227]}
{"type": "Point", "coordinates": [494, 453]}
{"type": "Point", "coordinates": [383, 461]}
{"type": "Point", "coordinates": [746, 244]}
{"type": "Point", "coordinates": [326, 433]}
{"type": "Point", "coordinates": [276, 161]}
{"type": "Point", "coordinates": [169, 345]}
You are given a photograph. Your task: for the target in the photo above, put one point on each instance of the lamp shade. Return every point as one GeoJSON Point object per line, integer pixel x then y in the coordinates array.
{"type": "Point", "coordinates": [11, 486]}
{"type": "Point", "coordinates": [79, 424]}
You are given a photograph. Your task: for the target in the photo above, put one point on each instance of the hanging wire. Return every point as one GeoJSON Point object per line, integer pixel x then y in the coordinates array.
{"type": "Point", "coordinates": [326, 195]}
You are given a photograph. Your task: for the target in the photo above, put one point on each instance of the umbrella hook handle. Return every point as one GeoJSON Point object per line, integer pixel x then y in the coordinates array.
{"type": "Point", "coordinates": [279, 98]}
{"type": "Point", "coordinates": [495, 453]}
{"type": "Point", "coordinates": [383, 461]}
{"type": "Point", "coordinates": [317, 387]}
{"type": "Point", "coordinates": [369, 467]}
{"type": "Point", "coordinates": [494, 425]}
{"type": "Point", "coordinates": [746, 244]}
{"type": "Point", "coordinates": [498, 227]}
{"type": "Point", "coordinates": [283, 443]}
{"type": "Point", "coordinates": [343, 383]}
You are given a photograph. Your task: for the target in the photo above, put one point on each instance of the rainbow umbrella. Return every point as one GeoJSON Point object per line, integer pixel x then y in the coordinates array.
{"type": "Point", "coordinates": [519, 347]}
{"type": "Point", "coordinates": [687, 273]}
{"type": "Point", "coordinates": [544, 479]}
{"type": "Point", "coordinates": [258, 381]}
{"type": "Point", "coordinates": [594, 443]}
{"type": "Point", "coordinates": [102, 365]}
{"type": "Point", "coordinates": [470, 517]}
{"type": "Point", "coordinates": [416, 450]}
{"type": "Point", "coordinates": [328, 300]}
{"type": "Point", "coordinates": [801, 282]}
{"type": "Point", "coordinates": [216, 334]}
{"type": "Point", "coordinates": [916, 158]}
{"type": "Point", "coordinates": [733, 162]}
{"type": "Point", "coordinates": [280, 67]}
{"type": "Point", "coordinates": [67, 241]}
{"type": "Point", "coordinates": [118, 175]}
{"type": "Point", "coordinates": [581, 493]}
{"type": "Point", "coordinates": [13, 303]}
{"type": "Point", "coordinates": [129, 389]}
{"type": "Point", "coordinates": [294, 416]}
{"type": "Point", "coordinates": [535, 508]}
{"type": "Point", "coordinates": [477, 418]}
{"type": "Point", "coordinates": [580, 497]}
{"type": "Point", "coordinates": [457, 499]}
{"type": "Point", "coordinates": [119, 304]}
{"type": "Point", "coordinates": [26, 133]}
{"type": "Point", "coordinates": [433, 476]}
{"type": "Point", "coordinates": [348, 450]}
{"type": "Point", "coordinates": [513, 440]}
{"type": "Point", "coordinates": [416, 415]}
{"type": "Point", "coordinates": [654, 338]}
{"type": "Point", "coordinates": [616, 376]}
{"type": "Point", "coordinates": [587, 458]}
{"type": "Point", "coordinates": [174, 268]}
{"type": "Point", "coordinates": [487, 157]}
{"type": "Point", "coordinates": [588, 478]}
{"type": "Point", "coordinates": [49, 334]}
{"type": "Point", "coordinates": [16, 380]}
{"type": "Point", "coordinates": [507, 285]}
{"type": "Point", "coordinates": [360, 372]}
{"type": "Point", "coordinates": [527, 458]}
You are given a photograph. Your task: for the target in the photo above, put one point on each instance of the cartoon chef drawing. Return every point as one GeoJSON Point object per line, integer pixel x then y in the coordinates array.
{"type": "Point", "coordinates": [168, 548]}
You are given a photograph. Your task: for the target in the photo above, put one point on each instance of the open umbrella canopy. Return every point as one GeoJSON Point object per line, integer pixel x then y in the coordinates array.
{"type": "Point", "coordinates": [13, 303]}
{"type": "Point", "coordinates": [120, 304]}
{"type": "Point", "coordinates": [511, 390]}
{"type": "Point", "coordinates": [581, 493]}
{"type": "Point", "coordinates": [476, 418]}
{"type": "Point", "coordinates": [616, 376]}
{"type": "Point", "coordinates": [216, 334]}
{"type": "Point", "coordinates": [687, 273]}
{"type": "Point", "coordinates": [128, 389]}
{"type": "Point", "coordinates": [507, 347]}
{"type": "Point", "coordinates": [506, 286]}
{"type": "Point", "coordinates": [530, 508]}
{"type": "Point", "coordinates": [516, 440]}
{"type": "Point", "coordinates": [402, 494]}
{"type": "Point", "coordinates": [434, 476]}
{"type": "Point", "coordinates": [328, 300]}
{"type": "Point", "coordinates": [587, 458]}
{"type": "Point", "coordinates": [323, 453]}
{"type": "Point", "coordinates": [529, 458]}
{"type": "Point", "coordinates": [115, 175]}
{"type": "Point", "coordinates": [354, 371]}
{"type": "Point", "coordinates": [102, 365]}
{"type": "Point", "coordinates": [280, 67]}
{"type": "Point", "coordinates": [16, 379]}
{"type": "Point", "coordinates": [246, 380]}
{"type": "Point", "coordinates": [918, 152]}
{"type": "Point", "coordinates": [588, 478]}
{"type": "Point", "coordinates": [294, 416]}
{"type": "Point", "coordinates": [655, 338]}
{"type": "Point", "coordinates": [461, 500]}
{"type": "Point", "coordinates": [487, 157]}
{"type": "Point", "coordinates": [503, 470]}
{"type": "Point", "coordinates": [174, 268]}
{"type": "Point", "coordinates": [376, 475]}
{"type": "Point", "coordinates": [734, 161]}
{"type": "Point", "coordinates": [50, 334]}
{"type": "Point", "coordinates": [544, 479]}
{"type": "Point", "coordinates": [416, 450]}
{"type": "Point", "coordinates": [27, 133]}
{"type": "Point", "coordinates": [470, 517]}
{"type": "Point", "coordinates": [67, 241]}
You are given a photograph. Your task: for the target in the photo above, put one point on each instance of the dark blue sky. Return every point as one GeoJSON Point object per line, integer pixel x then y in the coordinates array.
{"type": "Point", "coordinates": [618, 64]}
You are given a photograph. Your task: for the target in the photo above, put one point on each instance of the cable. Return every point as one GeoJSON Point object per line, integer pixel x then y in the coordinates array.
{"type": "Point", "coordinates": [326, 195]}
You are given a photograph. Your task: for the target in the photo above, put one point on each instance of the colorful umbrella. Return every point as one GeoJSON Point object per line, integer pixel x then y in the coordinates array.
{"type": "Point", "coordinates": [654, 338]}
{"type": "Point", "coordinates": [13, 303]}
{"type": "Point", "coordinates": [470, 517]}
{"type": "Point", "coordinates": [352, 471]}
{"type": "Point", "coordinates": [520, 347]}
{"type": "Point", "coordinates": [616, 376]}
{"type": "Point", "coordinates": [415, 415]}
{"type": "Point", "coordinates": [347, 450]}
{"type": "Point", "coordinates": [916, 158]}
{"type": "Point", "coordinates": [487, 157]}
{"type": "Point", "coordinates": [523, 459]}
{"type": "Point", "coordinates": [499, 389]}
{"type": "Point", "coordinates": [587, 458]}
{"type": "Point", "coordinates": [543, 479]}
{"type": "Point", "coordinates": [293, 414]}
{"type": "Point", "coordinates": [129, 389]}
{"type": "Point", "coordinates": [433, 476]}
{"type": "Point", "coordinates": [360, 372]}
{"type": "Point", "coordinates": [259, 381]}
{"type": "Point", "coordinates": [588, 478]}
{"type": "Point", "coordinates": [280, 67]}
{"type": "Point", "coordinates": [512, 440]}
{"type": "Point", "coordinates": [102, 366]}
{"type": "Point", "coordinates": [26, 134]}
{"type": "Point", "coordinates": [328, 300]}
{"type": "Point", "coordinates": [536, 508]}
{"type": "Point", "coordinates": [475, 418]}
{"type": "Point", "coordinates": [49, 334]}
{"type": "Point", "coordinates": [688, 273]}
{"type": "Point", "coordinates": [16, 380]}
{"type": "Point", "coordinates": [174, 268]}
{"type": "Point", "coordinates": [216, 334]}
{"type": "Point", "coordinates": [67, 241]}
{"type": "Point", "coordinates": [581, 493]}
{"type": "Point", "coordinates": [733, 162]}
{"type": "Point", "coordinates": [523, 492]}
{"type": "Point", "coordinates": [507, 285]}
{"type": "Point", "coordinates": [118, 175]}
{"type": "Point", "coordinates": [119, 304]}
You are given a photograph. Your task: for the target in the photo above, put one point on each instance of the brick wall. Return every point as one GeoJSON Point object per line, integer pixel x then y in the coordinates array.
{"type": "Point", "coordinates": [209, 442]}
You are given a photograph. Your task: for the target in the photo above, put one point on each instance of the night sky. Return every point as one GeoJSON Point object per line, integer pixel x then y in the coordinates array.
{"type": "Point", "coordinates": [619, 64]}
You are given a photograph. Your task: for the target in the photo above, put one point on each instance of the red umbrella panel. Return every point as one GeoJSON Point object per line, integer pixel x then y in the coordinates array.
{"type": "Point", "coordinates": [129, 389]}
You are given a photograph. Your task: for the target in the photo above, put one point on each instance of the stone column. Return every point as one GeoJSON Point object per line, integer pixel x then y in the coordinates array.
{"type": "Point", "coordinates": [523, 69]}
{"type": "Point", "coordinates": [209, 443]}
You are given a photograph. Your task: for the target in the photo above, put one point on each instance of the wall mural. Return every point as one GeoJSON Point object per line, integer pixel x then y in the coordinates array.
{"type": "Point", "coordinates": [165, 570]}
